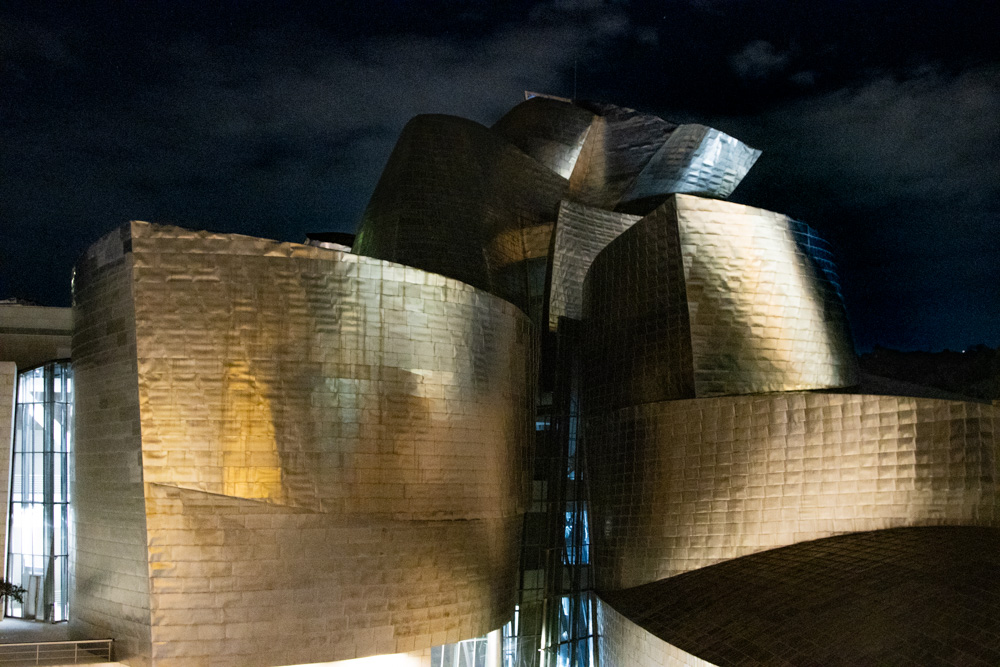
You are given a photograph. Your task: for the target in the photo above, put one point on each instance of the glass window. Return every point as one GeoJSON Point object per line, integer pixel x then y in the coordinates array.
{"type": "Point", "coordinates": [38, 547]}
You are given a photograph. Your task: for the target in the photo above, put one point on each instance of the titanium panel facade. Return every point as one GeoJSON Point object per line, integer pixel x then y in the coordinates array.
{"type": "Point", "coordinates": [330, 450]}
{"type": "Point", "coordinates": [695, 160]}
{"type": "Point", "coordinates": [551, 131]}
{"type": "Point", "coordinates": [636, 336]}
{"type": "Point", "coordinates": [619, 145]}
{"type": "Point", "coordinates": [679, 485]}
{"type": "Point", "coordinates": [908, 596]}
{"type": "Point", "coordinates": [764, 317]}
{"type": "Point", "coordinates": [753, 308]}
{"type": "Point", "coordinates": [453, 200]}
{"type": "Point", "coordinates": [623, 642]}
{"type": "Point", "coordinates": [581, 233]}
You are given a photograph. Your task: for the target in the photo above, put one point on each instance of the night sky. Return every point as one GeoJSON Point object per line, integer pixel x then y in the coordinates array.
{"type": "Point", "coordinates": [879, 122]}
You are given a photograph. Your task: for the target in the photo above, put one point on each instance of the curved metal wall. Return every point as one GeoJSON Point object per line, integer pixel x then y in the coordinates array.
{"type": "Point", "coordinates": [697, 160]}
{"type": "Point", "coordinates": [623, 642]}
{"type": "Point", "coordinates": [453, 199]}
{"type": "Point", "coordinates": [678, 485]}
{"type": "Point", "coordinates": [619, 145]}
{"type": "Point", "coordinates": [724, 296]}
{"type": "Point", "coordinates": [581, 232]}
{"type": "Point", "coordinates": [551, 131]}
{"type": "Point", "coordinates": [327, 442]}
{"type": "Point", "coordinates": [470, 203]}
{"type": "Point", "coordinates": [637, 338]}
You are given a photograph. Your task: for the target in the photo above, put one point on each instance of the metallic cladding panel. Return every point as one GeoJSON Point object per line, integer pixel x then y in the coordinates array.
{"type": "Point", "coordinates": [551, 131]}
{"type": "Point", "coordinates": [731, 296]}
{"type": "Point", "coordinates": [679, 485]}
{"type": "Point", "coordinates": [110, 566]}
{"type": "Point", "coordinates": [764, 317]}
{"type": "Point", "coordinates": [242, 583]}
{"type": "Point", "coordinates": [908, 596]}
{"type": "Point", "coordinates": [637, 340]}
{"type": "Point", "coordinates": [623, 642]}
{"type": "Point", "coordinates": [453, 199]}
{"type": "Point", "coordinates": [618, 147]}
{"type": "Point", "coordinates": [328, 381]}
{"type": "Point", "coordinates": [581, 233]}
{"type": "Point", "coordinates": [334, 448]}
{"type": "Point", "coordinates": [696, 160]}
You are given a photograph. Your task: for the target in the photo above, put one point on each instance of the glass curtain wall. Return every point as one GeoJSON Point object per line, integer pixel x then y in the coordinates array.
{"type": "Point", "coordinates": [38, 552]}
{"type": "Point", "coordinates": [553, 625]}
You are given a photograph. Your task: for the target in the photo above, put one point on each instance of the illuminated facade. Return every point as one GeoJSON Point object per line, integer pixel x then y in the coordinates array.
{"type": "Point", "coordinates": [560, 394]}
{"type": "Point", "coordinates": [319, 456]}
{"type": "Point", "coordinates": [701, 419]}
{"type": "Point", "coordinates": [36, 417]}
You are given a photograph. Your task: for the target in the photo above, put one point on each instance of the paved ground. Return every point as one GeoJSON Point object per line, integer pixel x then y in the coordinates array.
{"type": "Point", "coordinates": [15, 631]}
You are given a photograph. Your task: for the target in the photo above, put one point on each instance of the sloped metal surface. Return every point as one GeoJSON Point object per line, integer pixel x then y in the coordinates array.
{"type": "Point", "coordinates": [581, 232]}
{"type": "Point", "coordinates": [618, 147]}
{"type": "Point", "coordinates": [909, 596]}
{"type": "Point", "coordinates": [730, 295]}
{"type": "Point", "coordinates": [453, 200]}
{"type": "Point", "coordinates": [696, 160]}
{"type": "Point", "coordinates": [551, 131]}
{"type": "Point", "coordinates": [636, 336]}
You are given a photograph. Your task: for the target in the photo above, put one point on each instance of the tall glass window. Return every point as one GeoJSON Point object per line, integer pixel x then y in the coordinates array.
{"type": "Point", "coordinates": [38, 555]}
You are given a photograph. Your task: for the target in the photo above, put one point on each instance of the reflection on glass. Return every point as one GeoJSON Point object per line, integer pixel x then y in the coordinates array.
{"type": "Point", "coordinates": [467, 653]}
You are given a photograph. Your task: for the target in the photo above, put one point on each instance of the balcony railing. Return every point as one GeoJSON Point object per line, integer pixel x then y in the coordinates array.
{"type": "Point", "coordinates": [83, 652]}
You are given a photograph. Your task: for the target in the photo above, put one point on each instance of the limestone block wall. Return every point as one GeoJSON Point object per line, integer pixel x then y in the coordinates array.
{"type": "Point", "coordinates": [8, 397]}
{"type": "Point", "coordinates": [110, 565]}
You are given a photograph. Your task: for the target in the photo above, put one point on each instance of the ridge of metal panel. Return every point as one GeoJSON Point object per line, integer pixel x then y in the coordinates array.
{"type": "Point", "coordinates": [617, 148]}
{"type": "Point", "coordinates": [581, 233]}
{"type": "Point", "coordinates": [551, 131]}
{"type": "Point", "coordinates": [450, 200]}
{"type": "Point", "coordinates": [696, 160]}
{"type": "Point", "coordinates": [111, 588]}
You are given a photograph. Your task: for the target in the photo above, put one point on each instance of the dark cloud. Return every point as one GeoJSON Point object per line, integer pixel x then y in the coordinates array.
{"type": "Point", "coordinates": [904, 175]}
{"type": "Point", "coordinates": [258, 133]}
{"type": "Point", "coordinates": [759, 60]}
{"type": "Point", "coordinates": [878, 121]}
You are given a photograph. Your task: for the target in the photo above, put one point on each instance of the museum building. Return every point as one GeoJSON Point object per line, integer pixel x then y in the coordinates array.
{"type": "Point", "coordinates": [558, 403]}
